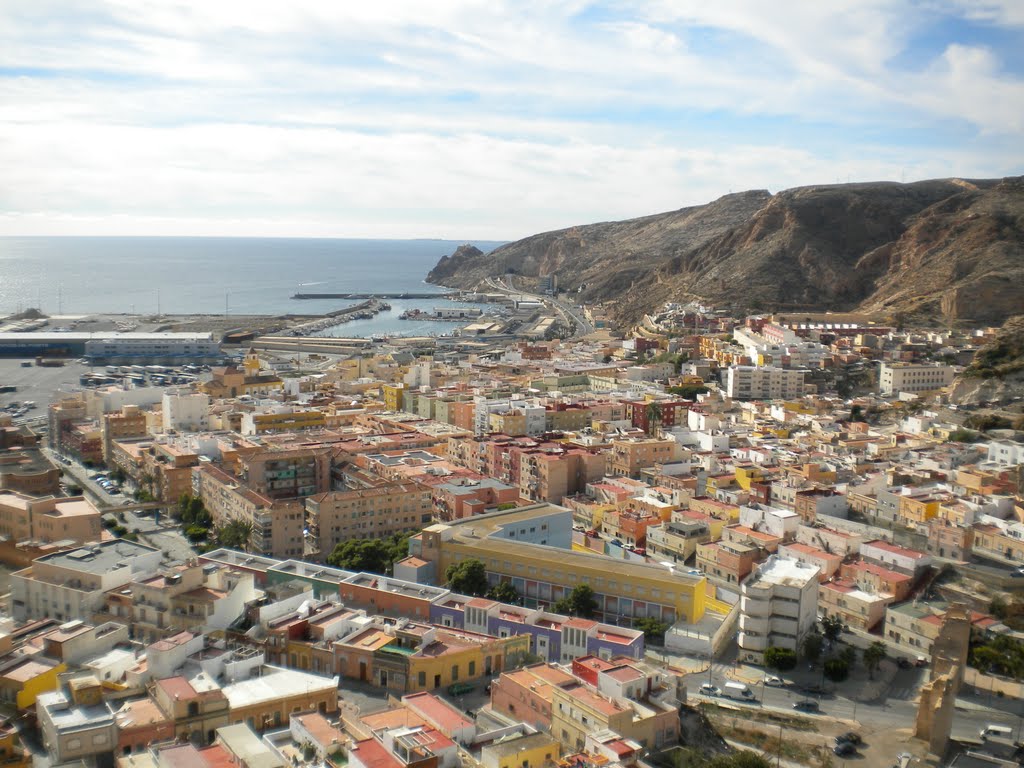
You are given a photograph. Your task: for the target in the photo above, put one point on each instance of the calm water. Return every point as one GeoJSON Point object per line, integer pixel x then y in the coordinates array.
{"type": "Point", "coordinates": [192, 275]}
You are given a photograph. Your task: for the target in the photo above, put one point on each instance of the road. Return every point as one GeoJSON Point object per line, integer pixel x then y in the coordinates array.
{"type": "Point", "coordinates": [571, 314]}
{"type": "Point", "coordinates": [896, 708]}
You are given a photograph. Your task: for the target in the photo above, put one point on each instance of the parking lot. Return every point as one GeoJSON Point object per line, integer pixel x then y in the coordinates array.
{"type": "Point", "coordinates": [38, 384]}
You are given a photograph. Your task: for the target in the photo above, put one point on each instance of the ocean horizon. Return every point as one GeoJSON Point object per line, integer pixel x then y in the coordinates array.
{"type": "Point", "coordinates": [212, 275]}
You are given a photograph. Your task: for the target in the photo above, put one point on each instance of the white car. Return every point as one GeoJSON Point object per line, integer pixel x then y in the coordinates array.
{"type": "Point", "coordinates": [710, 690]}
{"type": "Point", "coordinates": [773, 680]}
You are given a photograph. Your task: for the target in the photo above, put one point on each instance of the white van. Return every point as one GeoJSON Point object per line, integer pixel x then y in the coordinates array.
{"type": "Point", "coordinates": [738, 691]}
{"type": "Point", "coordinates": [999, 731]}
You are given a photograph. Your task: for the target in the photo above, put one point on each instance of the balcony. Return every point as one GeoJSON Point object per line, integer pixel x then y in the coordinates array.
{"type": "Point", "coordinates": [750, 642]}
{"type": "Point", "coordinates": [760, 608]}
{"type": "Point", "coordinates": [757, 624]}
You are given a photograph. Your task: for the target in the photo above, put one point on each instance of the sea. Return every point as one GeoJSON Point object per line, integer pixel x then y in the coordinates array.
{"type": "Point", "coordinates": [214, 275]}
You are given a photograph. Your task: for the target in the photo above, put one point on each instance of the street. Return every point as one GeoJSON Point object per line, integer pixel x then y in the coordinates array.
{"type": "Point", "coordinates": [896, 707]}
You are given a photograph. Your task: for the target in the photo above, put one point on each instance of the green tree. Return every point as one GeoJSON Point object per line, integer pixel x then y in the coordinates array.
{"type": "Point", "coordinates": [654, 415]}
{"type": "Point", "coordinates": [856, 413]}
{"type": "Point", "coordinates": [812, 646]}
{"type": "Point", "coordinates": [580, 602]}
{"type": "Point", "coordinates": [361, 555]}
{"type": "Point", "coordinates": [504, 592]}
{"type": "Point", "coordinates": [235, 534]}
{"type": "Point", "coordinates": [832, 627]}
{"type": "Point", "coordinates": [468, 578]}
{"type": "Point", "coordinates": [688, 391]}
{"type": "Point", "coordinates": [195, 533]}
{"type": "Point", "coordinates": [780, 659]}
{"type": "Point", "coordinates": [874, 654]}
{"type": "Point", "coordinates": [653, 629]}
{"type": "Point", "coordinates": [849, 655]}
{"type": "Point", "coordinates": [837, 670]}
{"type": "Point", "coordinates": [118, 475]}
{"type": "Point", "coordinates": [371, 555]}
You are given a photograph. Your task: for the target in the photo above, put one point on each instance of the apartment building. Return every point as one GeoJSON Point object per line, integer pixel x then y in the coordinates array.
{"type": "Point", "coordinates": [727, 561]}
{"type": "Point", "coordinates": [282, 418]}
{"type": "Point", "coordinates": [367, 513]}
{"type": "Point", "coordinates": [287, 473]}
{"type": "Point", "coordinates": [462, 497]}
{"type": "Point", "coordinates": [71, 584]}
{"type": "Point", "coordinates": [185, 411]}
{"type": "Point", "coordinates": [578, 711]}
{"type": "Point", "coordinates": [902, 559]}
{"type": "Point", "coordinates": [630, 455]}
{"type": "Point", "coordinates": [747, 382]}
{"type": "Point", "coordinates": [277, 526]}
{"type": "Point", "coordinates": [898, 378]}
{"type": "Point", "coordinates": [677, 540]}
{"type": "Point", "coordinates": [778, 607]}
{"type": "Point", "coordinates": [129, 422]}
{"type": "Point", "coordinates": [857, 608]}
{"type": "Point", "coordinates": [49, 519]}
{"type": "Point", "coordinates": [189, 597]}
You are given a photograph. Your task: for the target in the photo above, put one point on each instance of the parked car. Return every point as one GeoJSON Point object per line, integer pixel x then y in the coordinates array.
{"type": "Point", "coordinates": [806, 706]}
{"type": "Point", "coordinates": [774, 680]}
{"type": "Point", "coordinates": [903, 663]}
{"type": "Point", "coordinates": [845, 749]}
{"type": "Point", "coordinates": [710, 690]}
{"type": "Point", "coordinates": [850, 737]}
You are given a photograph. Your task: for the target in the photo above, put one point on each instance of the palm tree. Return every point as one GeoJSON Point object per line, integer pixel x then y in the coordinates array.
{"type": "Point", "coordinates": [654, 415]}
{"type": "Point", "coordinates": [873, 656]}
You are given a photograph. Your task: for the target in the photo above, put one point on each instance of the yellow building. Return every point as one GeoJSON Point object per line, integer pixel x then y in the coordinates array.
{"type": "Point", "coordinates": [14, 755]}
{"type": "Point", "coordinates": [531, 547]}
{"type": "Point", "coordinates": [23, 679]}
{"type": "Point", "coordinates": [536, 750]}
{"type": "Point", "coordinates": [458, 658]}
{"type": "Point", "coordinates": [917, 510]}
{"type": "Point", "coordinates": [282, 421]}
{"type": "Point", "coordinates": [745, 475]}
{"type": "Point", "coordinates": [394, 396]}
{"type": "Point", "coordinates": [578, 711]}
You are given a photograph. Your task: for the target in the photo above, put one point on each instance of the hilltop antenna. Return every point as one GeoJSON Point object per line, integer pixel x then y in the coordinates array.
{"type": "Point", "coordinates": [60, 298]}
{"type": "Point", "coordinates": [158, 302]}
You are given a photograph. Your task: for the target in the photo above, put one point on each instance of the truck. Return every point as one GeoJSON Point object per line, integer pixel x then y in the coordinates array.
{"type": "Point", "coordinates": [738, 691]}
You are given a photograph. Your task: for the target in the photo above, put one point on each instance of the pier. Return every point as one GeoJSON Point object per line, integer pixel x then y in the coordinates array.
{"type": "Point", "coordinates": [374, 295]}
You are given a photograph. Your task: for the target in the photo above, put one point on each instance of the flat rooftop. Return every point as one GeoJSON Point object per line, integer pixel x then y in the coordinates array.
{"type": "Point", "coordinates": [98, 558]}
{"type": "Point", "coordinates": [275, 683]}
{"type": "Point", "coordinates": [783, 572]}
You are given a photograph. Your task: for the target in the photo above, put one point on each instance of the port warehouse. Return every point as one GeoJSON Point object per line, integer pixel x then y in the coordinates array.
{"type": "Point", "coordinates": [112, 346]}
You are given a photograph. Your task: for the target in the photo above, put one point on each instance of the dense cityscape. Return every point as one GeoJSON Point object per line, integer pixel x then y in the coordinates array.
{"type": "Point", "coordinates": [535, 540]}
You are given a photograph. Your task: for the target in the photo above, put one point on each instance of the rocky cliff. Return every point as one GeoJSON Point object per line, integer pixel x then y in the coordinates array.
{"type": "Point", "coordinates": [997, 372]}
{"type": "Point", "coordinates": [949, 249]}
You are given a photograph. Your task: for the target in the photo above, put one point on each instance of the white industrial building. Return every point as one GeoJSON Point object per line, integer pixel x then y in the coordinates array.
{"type": "Point", "coordinates": [895, 378]}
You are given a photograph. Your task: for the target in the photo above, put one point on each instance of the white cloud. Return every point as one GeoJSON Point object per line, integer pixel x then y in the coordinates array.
{"type": "Point", "coordinates": [469, 118]}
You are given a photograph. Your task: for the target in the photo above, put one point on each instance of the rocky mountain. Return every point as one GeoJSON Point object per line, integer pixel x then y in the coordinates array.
{"type": "Point", "coordinates": [946, 249]}
{"type": "Point", "coordinates": [997, 372]}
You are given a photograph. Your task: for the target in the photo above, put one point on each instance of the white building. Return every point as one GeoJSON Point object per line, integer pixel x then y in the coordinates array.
{"type": "Point", "coordinates": [777, 522]}
{"type": "Point", "coordinates": [1006, 453]}
{"type": "Point", "coordinates": [168, 347]}
{"type": "Point", "coordinates": [778, 607]}
{"type": "Point", "coordinates": [896, 378]}
{"type": "Point", "coordinates": [536, 416]}
{"type": "Point", "coordinates": [184, 411]}
{"type": "Point", "coordinates": [748, 382]}
{"type": "Point", "coordinates": [71, 584]}
{"type": "Point", "coordinates": [895, 557]}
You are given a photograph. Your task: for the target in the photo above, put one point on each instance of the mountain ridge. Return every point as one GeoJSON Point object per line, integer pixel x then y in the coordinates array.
{"type": "Point", "coordinates": [945, 248]}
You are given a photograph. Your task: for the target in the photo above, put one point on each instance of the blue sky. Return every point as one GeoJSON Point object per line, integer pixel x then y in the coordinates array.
{"type": "Point", "coordinates": [483, 118]}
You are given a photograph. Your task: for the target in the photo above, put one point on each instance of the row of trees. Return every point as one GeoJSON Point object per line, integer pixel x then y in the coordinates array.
{"type": "Point", "coordinates": [839, 662]}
